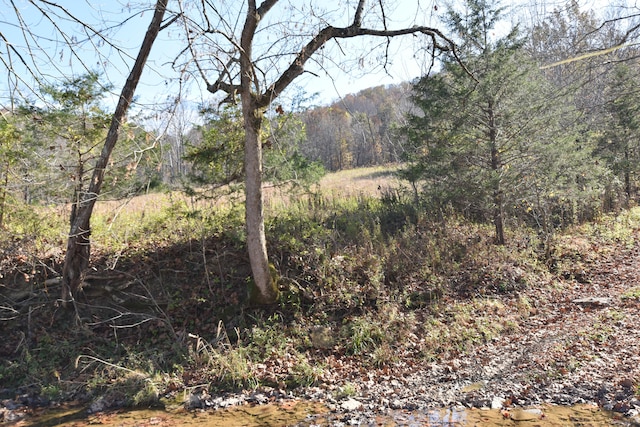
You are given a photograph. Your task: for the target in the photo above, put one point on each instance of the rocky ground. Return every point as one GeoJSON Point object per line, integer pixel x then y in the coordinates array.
{"type": "Point", "coordinates": [580, 344]}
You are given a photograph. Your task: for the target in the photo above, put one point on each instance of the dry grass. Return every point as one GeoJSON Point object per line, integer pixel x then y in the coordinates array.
{"type": "Point", "coordinates": [363, 181]}
{"type": "Point", "coordinates": [371, 181]}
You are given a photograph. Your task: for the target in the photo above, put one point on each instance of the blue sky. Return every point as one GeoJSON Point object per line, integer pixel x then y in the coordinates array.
{"type": "Point", "coordinates": [49, 54]}
{"type": "Point", "coordinates": [52, 57]}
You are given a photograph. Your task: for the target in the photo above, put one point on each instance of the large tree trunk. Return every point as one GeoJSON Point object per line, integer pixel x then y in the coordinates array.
{"type": "Point", "coordinates": [496, 164]}
{"type": "Point", "coordinates": [78, 245]}
{"type": "Point", "coordinates": [498, 215]}
{"type": "Point", "coordinates": [264, 290]}
{"type": "Point", "coordinates": [627, 178]}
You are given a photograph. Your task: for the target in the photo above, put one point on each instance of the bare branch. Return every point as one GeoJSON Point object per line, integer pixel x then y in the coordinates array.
{"type": "Point", "coordinates": [328, 33]}
{"type": "Point", "coordinates": [627, 34]}
{"type": "Point", "coordinates": [357, 18]}
{"type": "Point", "coordinates": [9, 65]}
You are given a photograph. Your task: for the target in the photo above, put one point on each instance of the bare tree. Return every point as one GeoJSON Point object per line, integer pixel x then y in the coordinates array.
{"type": "Point", "coordinates": [78, 244]}
{"type": "Point", "coordinates": [256, 55]}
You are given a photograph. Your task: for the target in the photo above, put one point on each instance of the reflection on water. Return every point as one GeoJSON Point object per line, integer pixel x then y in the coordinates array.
{"type": "Point", "coordinates": [315, 414]}
{"type": "Point", "coordinates": [542, 416]}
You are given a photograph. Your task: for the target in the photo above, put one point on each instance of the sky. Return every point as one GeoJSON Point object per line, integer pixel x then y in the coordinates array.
{"type": "Point", "coordinates": [53, 58]}
{"type": "Point", "coordinates": [49, 55]}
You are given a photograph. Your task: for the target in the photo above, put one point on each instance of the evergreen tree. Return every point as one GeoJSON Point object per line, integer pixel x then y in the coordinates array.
{"type": "Point", "coordinates": [620, 142]}
{"type": "Point", "coordinates": [489, 145]}
{"type": "Point", "coordinates": [75, 125]}
{"type": "Point", "coordinates": [283, 158]}
{"type": "Point", "coordinates": [218, 158]}
{"type": "Point", "coordinates": [10, 154]}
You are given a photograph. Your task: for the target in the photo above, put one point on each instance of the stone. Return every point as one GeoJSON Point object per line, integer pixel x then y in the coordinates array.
{"type": "Point", "coordinates": [532, 414]}
{"type": "Point", "coordinates": [13, 416]}
{"type": "Point", "coordinates": [322, 337]}
{"type": "Point", "coordinates": [259, 398]}
{"type": "Point", "coordinates": [351, 404]}
{"type": "Point", "coordinates": [98, 405]}
{"type": "Point", "coordinates": [497, 402]}
{"type": "Point", "coordinates": [593, 301]}
{"type": "Point", "coordinates": [396, 404]}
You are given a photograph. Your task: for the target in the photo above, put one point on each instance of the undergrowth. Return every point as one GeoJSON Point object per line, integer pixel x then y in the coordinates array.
{"type": "Point", "coordinates": [364, 277]}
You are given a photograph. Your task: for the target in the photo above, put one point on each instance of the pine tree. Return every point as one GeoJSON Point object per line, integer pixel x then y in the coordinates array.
{"type": "Point", "coordinates": [489, 145]}
{"type": "Point", "coordinates": [620, 142]}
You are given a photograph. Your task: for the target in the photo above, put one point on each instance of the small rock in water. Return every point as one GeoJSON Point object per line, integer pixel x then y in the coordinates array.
{"type": "Point", "coordinates": [497, 402]}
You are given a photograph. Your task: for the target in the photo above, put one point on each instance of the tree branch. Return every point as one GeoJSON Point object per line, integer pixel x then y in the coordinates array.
{"type": "Point", "coordinates": [357, 18]}
{"type": "Point", "coordinates": [265, 7]}
{"type": "Point", "coordinates": [328, 33]}
{"type": "Point", "coordinates": [125, 99]}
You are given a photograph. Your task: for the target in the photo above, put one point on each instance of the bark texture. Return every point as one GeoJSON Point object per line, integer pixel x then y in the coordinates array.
{"type": "Point", "coordinates": [267, 291]}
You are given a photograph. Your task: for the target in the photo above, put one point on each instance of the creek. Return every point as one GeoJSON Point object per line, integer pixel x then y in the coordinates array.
{"type": "Point", "coordinates": [307, 414]}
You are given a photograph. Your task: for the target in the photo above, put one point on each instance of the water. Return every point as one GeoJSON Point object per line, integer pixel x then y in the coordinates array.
{"type": "Point", "coordinates": [315, 414]}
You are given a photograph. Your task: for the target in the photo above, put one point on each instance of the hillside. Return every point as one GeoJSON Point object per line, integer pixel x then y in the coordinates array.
{"type": "Point", "coordinates": [380, 304]}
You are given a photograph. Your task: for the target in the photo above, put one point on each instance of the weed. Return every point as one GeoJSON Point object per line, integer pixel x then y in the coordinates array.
{"type": "Point", "coordinates": [268, 338]}
{"type": "Point", "coordinates": [346, 390]}
{"type": "Point", "coordinates": [229, 364]}
{"type": "Point", "coordinates": [51, 392]}
{"type": "Point", "coordinates": [599, 333]}
{"type": "Point", "coordinates": [304, 374]}
{"type": "Point", "coordinates": [384, 355]}
{"type": "Point", "coordinates": [633, 293]}
{"type": "Point", "coordinates": [611, 316]}
{"type": "Point", "coordinates": [363, 335]}
{"type": "Point", "coordinates": [147, 396]}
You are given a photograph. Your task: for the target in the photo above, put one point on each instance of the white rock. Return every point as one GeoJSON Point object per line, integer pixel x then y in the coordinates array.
{"type": "Point", "coordinates": [351, 404]}
{"type": "Point", "coordinates": [526, 414]}
{"type": "Point", "coordinates": [593, 301]}
{"type": "Point", "coordinates": [497, 402]}
{"type": "Point", "coordinates": [396, 404]}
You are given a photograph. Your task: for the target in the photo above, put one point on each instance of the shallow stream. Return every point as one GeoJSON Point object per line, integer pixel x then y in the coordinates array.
{"type": "Point", "coordinates": [306, 414]}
